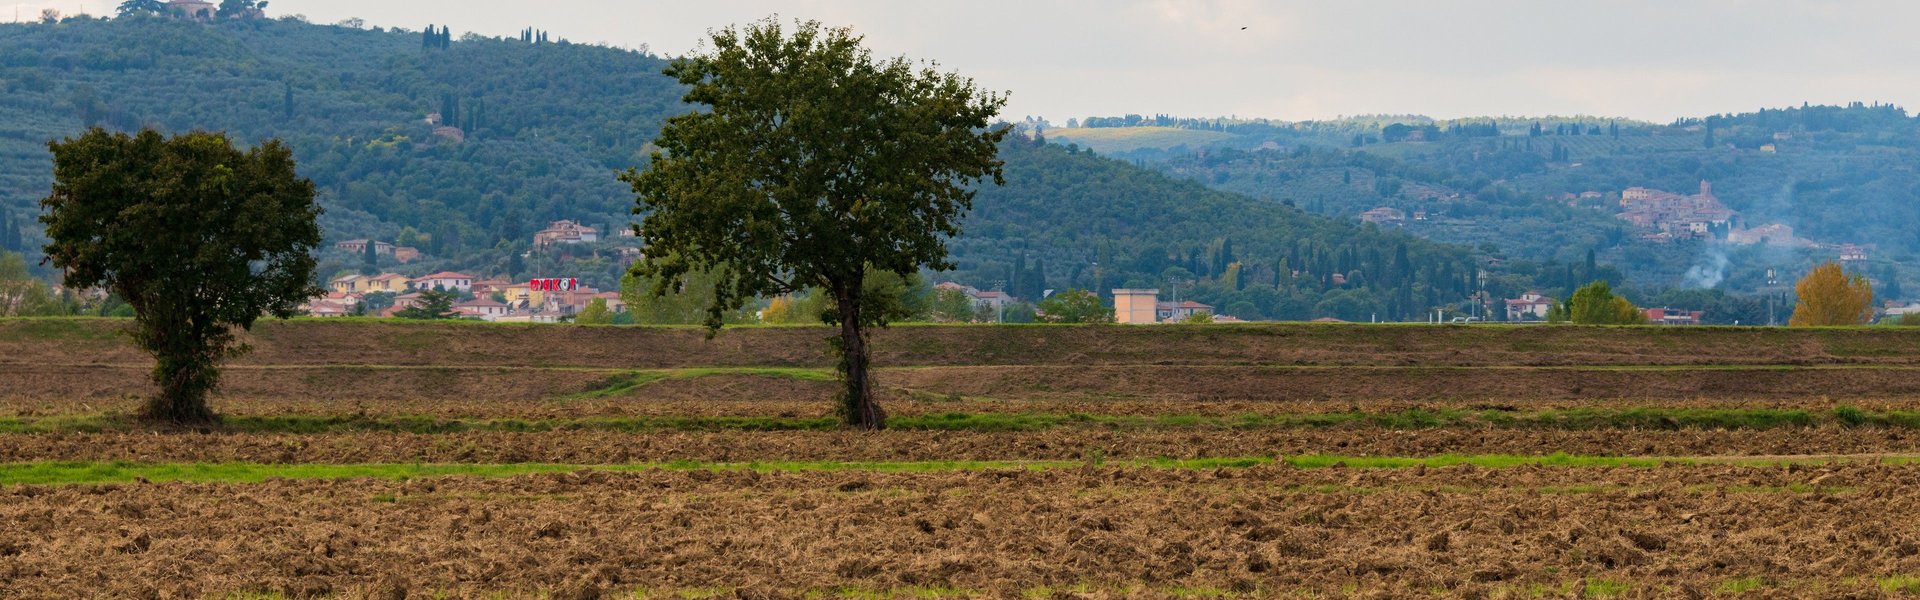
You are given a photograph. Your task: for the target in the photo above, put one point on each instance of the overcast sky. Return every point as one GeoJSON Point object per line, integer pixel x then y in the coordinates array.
{"type": "Point", "coordinates": [1654, 59]}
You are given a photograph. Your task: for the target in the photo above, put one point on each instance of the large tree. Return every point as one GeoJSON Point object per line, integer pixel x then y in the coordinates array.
{"type": "Point", "coordinates": [147, 7]}
{"type": "Point", "coordinates": [1596, 304]}
{"type": "Point", "coordinates": [22, 294]}
{"type": "Point", "coordinates": [199, 237]}
{"type": "Point", "coordinates": [1075, 306]}
{"type": "Point", "coordinates": [813, 165]}
{"type": "Point", "coordinates": [1831, 296]}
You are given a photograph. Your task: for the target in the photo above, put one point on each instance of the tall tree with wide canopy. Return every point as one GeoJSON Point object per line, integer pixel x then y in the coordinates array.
{"type": "Point", "coordinates": [1830, 296]}
{"type": "Point", "coordinates": [813, 165]}
{"type": "Point", "coordinates": [131, 7]}
{"type": "Point", "coordinates": [197, 236]}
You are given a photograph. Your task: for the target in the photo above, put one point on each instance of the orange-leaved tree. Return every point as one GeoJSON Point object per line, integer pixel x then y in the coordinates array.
{"type": "Point", "coordinates": [1830, 296]}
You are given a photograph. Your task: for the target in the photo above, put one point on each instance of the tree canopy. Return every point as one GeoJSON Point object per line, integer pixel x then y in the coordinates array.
{"type": "Point", "coordinates": [432, 304]}
{"type": "Point", "coordinates": [1596, 304]}
{"type": "Point", "coordinates": [199, 237]}
{"type": "Point", "coordinates": [1831, 296]}
{"type": "Point", "coordinates": [814, 163]}
{"type": "Point", "coordinates": [1075, 306]}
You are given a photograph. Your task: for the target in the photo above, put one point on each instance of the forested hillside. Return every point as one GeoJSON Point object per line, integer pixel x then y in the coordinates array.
{"type": "Point", "coordinates": [1835, 175]}
{"type": "Point", "coordinates": [539, 128]}
{"type": "Point", "coordinates": [1097, 223]}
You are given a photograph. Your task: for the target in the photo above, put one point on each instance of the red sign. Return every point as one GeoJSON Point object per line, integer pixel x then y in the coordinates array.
{"type": "Point", "coordinates": [554, 284]}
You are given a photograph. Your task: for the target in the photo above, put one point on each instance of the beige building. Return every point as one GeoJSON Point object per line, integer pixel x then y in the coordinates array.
{"type": "Point", "coordinates": [1135, 306]}
{"type": "Point", "coordinates": [564, 232]}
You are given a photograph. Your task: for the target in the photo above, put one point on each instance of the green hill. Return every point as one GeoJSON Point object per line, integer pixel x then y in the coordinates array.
{"type": "Point", "coordinates": [542, 127]}
{"type": "Point", "coordinates": [1835, 174]}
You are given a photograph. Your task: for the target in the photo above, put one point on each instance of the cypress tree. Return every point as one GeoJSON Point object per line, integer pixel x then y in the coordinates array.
{"type": "Point", "coordinates": [372, 258]}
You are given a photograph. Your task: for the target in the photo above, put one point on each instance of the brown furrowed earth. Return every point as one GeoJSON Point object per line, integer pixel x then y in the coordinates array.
{"type": "Point", "coordinates": [1095, 403]}
{"type": "Point", "coordinates": [611, 447]}
{"type": "Point", "coordinates": [1519, 532]}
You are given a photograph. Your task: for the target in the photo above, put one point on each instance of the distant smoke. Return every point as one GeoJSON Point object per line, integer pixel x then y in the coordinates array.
{"type": "Point", "coordinates": [1709, 271]}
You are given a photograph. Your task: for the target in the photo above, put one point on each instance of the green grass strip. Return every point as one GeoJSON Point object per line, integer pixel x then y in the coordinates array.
{"type": "Point", "coordinates": [1562, 419]}
{"type": "Point", "coordinates": [66, 473]}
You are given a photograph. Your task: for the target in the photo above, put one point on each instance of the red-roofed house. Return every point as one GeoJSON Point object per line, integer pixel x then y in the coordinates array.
{"type": "Point", "coordinates": [614, 302]}
{"type": "Point", "coordinates": [564, 232]}
{"type": "Point", "coordinates": [486, 287]}
{"type": "Point", "coordinates": [481, 308]}
{"type": "Point", "coordinates": [1169, 311]}
{"type": "Point", "coordinates": [386, 282]}
{"type": "Point", "coordinates": [1530, 306]}
{"type": "Point", "coordinates": [326, 308]}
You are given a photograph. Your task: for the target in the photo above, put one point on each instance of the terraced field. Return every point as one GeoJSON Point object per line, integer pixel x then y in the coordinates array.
{"type": "Point", "coordinates": [381, 459]}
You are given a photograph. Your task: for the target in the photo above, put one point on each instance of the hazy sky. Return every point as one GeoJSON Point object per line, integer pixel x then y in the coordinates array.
{"type": "Point", "coordinates": [1655, 59]}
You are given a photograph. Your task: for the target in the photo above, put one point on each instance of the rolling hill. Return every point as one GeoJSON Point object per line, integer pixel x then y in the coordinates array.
{"type": "Point", "coordinates": [529, 133]}
{"type": "Point", "coordinates": [1835, 174]}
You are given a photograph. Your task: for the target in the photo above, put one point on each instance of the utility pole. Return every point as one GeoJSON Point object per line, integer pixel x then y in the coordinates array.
{"type": "Point", "coordinates": [1000, 308]}
{"type": "Point", "coordinates": [1772, 294]}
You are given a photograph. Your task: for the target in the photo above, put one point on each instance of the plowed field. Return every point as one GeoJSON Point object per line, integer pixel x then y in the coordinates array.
{"type": "Point", "coordinates": [379, 459]}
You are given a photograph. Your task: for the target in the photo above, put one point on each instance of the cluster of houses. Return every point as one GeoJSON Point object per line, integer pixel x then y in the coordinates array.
{"type": "Point", "coordinates": [487, 299]}
{"type": "Point", "coordinates": [1534, 306]}
{"type": "Point", "coordinates": [1141, 306]}
{"type": "Point", "coordinates": [1677, 216]}
{"type": "Point", "coordinates": [1671, 216]}
{"type": "Point", "coordinates": [1129, 306]}
{"type": "Point", "coordinates": [564, 232]}
{"type": "Point", "coordinates": [988, 299]}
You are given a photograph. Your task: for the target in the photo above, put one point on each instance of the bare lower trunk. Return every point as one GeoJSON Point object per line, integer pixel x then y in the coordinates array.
{"type": "Point", "coordinates": [856, 402]}
{"type": "Point", "coordinates": [186, 356]}
{"type": "Point", "coordinates": [183, 392]}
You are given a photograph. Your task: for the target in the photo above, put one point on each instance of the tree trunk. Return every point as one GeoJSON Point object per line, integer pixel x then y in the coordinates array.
{"type": "Point", "coordinates": [183, 391]}
{"type": "Point", "coordinates": [856, 401]}
{"type": "Point", "coordinates": [184, 368]}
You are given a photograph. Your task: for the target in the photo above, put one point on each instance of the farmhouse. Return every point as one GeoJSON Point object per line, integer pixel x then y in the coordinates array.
{"type": "Point", "coordinates": [484, 309]}
{"type": "Point", "coordinates": [1668, 316]}
{"type": "Point", "coordinates": [1171, 311]}
{"type": "Point", "coordinates": [564, 232]}
{"type": "Point", "coordinates": [486, 287]}
{"type": "Point", "coordinates": [197, 10]}
{"type": "Point", "coordinates": [1384, 215]}
{"type": "Point", "coordinates": [358, 246]}
{"type": "Point", "coordinates": [1531, 306]}
{"type": "Point", "coordinates": [349, 284]}
{"type": "Point", "coordinates": [444, 280]}
{"type": "Point", "coordinates": [1143, 306]}
{"type": "Point", "coordinates": [991, 300]}
{"type": "Point", "coordinates": [387, 282]}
